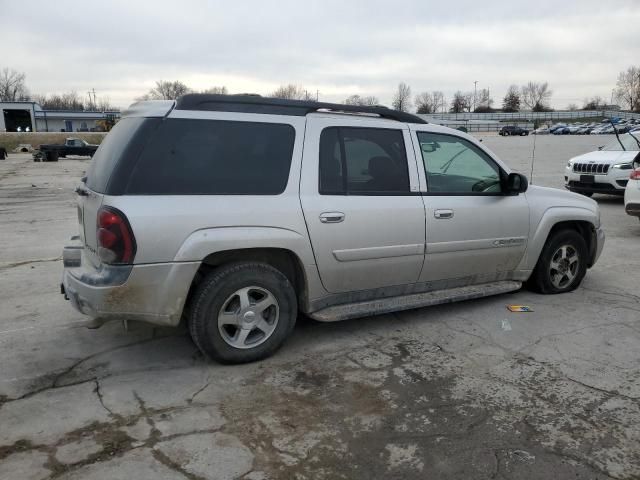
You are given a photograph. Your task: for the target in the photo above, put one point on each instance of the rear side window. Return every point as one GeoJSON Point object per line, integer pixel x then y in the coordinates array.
{"type": "Point", "coordinates": [214, 157]}
{"type": "Point", "coordinates": [120, 146]}
{"type": "Point", "coordinates": [363, 161]}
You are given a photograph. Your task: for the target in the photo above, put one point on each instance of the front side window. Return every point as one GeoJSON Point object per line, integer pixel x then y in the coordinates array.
{"type": "Point", "coordinates": [214, 157]}
{"type": "Point", "coordinates": [454, 165]}
{"type": "Point", "coordinates": [363, 161]}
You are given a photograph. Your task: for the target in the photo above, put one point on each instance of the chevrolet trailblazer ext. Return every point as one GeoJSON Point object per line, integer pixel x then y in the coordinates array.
{"type": "Point", "coordinates": [235, 213]}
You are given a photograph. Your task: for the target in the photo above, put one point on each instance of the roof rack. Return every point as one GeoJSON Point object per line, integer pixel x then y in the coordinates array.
{"type": "Point", "coordinates": [279, 106]}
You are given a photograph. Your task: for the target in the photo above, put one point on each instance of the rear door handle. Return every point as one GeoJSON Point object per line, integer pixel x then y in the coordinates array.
{"type": "Point", "coordinates": [443, 214]}
{"type": "Point", "coordinates": [331, 217]}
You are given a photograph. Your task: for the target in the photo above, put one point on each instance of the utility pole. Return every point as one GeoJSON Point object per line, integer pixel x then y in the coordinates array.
{"type": "Point", "coordinates": [475, 94]}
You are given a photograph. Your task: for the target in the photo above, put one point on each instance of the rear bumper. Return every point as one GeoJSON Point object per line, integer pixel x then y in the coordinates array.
{"type": "Point", "coordinates": [632, 209]}
{"type": "Point", "coordinates": [153, 293]}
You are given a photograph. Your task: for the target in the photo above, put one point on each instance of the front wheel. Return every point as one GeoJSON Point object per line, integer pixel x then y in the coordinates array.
{"type": "Point", "coordinates": [562, 264]}
{"type": "Point", "coordinates": [242, 312]}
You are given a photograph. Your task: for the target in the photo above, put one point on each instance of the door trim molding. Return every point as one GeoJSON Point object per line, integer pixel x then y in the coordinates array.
{"type": "Point", "coordinates": [372, 253]}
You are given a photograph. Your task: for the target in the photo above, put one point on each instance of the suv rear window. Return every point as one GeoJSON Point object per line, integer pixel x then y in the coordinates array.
{"type": "Point", "coordinates": [214, 157]}
{"type": "Point", "coordinates": [120, 146]}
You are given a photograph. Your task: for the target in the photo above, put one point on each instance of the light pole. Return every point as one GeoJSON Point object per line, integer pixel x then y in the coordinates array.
{"type": "Point", "coordinates": [475, 94]}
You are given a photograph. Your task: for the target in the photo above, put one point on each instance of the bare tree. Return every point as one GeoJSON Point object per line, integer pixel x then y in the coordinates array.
{"type": "Point", "coordinates": [511, 100]}
{"type": "Point", "coordinates": [64, 101]}
{"type": "Point", "coordinates": [362, 101]}
{"type": "Point", "coordinates": [535, 96]}
{"type": "Point", "coordinates": [217, 90]}
{"type": "Point", "coordinates": [12, 86]}
{"type": "Point", "coordinates": [483, 101]}
{"type": "Point", "coordinates": [402, 98]}
{"type": "Point", "coordinates": [166, 91]}
{"type": "Point", "coordinates": [461, 102]}
{"type": "Point", "coordinates": [104, 105]}
{"type": "Point", "coordinates": [594, 103]}
{"type": "Point", "coordinates": [429, 102]}
{"type": "Point", "coordinates": [628, 88]}
{"type": "Point", "coordinates": [572, 107]}
{"type": "Point", "coordinates": [292, 92]}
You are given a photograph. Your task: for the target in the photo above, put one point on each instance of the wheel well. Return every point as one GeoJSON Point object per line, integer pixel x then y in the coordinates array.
{"type": "Point", "coordinates": [284, 260]}
{"type": "Point", "coordinates": [585, 229]}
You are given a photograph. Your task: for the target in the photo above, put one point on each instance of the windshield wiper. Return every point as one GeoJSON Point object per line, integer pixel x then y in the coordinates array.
{"type": "Point", "coordinates": [448, 163]}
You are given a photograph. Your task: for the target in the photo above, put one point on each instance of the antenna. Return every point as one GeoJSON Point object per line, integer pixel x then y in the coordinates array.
{"type": "Point", "coordinates": [533, 157]}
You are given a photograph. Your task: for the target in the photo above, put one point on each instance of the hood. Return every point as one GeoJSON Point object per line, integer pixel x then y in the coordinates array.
{"type": "Point", "coordinates": [610, 156]}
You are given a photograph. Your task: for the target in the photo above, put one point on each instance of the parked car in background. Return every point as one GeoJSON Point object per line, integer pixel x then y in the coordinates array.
{"type": "Point", "coordinates": [71, 146]}
{"type": "Point", "coordinates": [561, 131]}
{"type": "Point", "coordinates": [236, 213]}
{"type": "Point", "coordinates": [604, 171]}
{"type": "Point", "coordinates": [541, 131]}
{"type": "Point", "coordinates": [507, 131]}
{"type": "Point", "coordinates": [557, 126]}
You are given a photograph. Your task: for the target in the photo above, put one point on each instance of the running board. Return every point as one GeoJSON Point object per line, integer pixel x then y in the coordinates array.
{"type": "Point", "coordinates": [416, 300]}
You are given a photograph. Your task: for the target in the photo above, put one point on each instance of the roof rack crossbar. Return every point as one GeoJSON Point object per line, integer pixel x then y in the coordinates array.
{"type": "Point", "coordinates": [279, 106]}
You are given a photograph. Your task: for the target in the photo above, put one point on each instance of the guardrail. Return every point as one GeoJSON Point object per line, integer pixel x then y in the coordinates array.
{"type": "Point", "coordinates": [577, 114]}
{"type": "Point", "coordinates": [475, 126]}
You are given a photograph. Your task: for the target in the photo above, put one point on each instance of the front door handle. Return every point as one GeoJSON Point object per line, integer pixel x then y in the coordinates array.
{"type": "Point", "coordinates": [443, 214]}
{"type": "Point", "coordinates": [331, 217]}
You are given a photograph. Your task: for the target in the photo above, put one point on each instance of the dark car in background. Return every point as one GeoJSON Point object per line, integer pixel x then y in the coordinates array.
{"type": "Point", "coordinates": [513, 130]}
{"type": "Point", "coordinates": [71, 146]}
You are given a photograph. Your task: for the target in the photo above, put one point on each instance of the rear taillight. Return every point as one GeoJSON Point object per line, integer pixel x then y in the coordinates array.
{"type": "Point", "coordinates": [635, 175]}
{"type": "Point", "coordinates": [116, 243]}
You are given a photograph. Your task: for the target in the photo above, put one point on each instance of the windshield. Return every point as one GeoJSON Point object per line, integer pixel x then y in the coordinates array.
{"type": "Point", "coordinates": [627, 140]}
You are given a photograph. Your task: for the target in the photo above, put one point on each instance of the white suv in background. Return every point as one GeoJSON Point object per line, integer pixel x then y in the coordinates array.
{"type": "Point", "coordinates": [606, 170]}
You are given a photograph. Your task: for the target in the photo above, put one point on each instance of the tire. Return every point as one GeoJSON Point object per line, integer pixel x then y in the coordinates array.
{"type": "Point", "coordinates": [560, 249]}
{"type": "Point", "coordinates": [506, 134]}
{"type": "Point", "coordinates": [51, 157]}
{"type": "Point", "coordinates": [218, 299]}
{"type": "Point", "coordinates": [587, 194]}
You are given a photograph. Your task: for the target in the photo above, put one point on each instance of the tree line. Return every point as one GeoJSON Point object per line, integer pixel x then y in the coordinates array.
{"type": "Point", "coordinates": [13, 88]}
{"type": "Point", "coordinates": [533, 96]}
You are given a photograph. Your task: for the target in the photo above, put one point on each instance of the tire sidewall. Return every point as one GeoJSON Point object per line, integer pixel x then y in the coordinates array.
{"type": "Point", "coordinates": [216, 289]}
{"type": "Point", "coordinates": [543, 277]}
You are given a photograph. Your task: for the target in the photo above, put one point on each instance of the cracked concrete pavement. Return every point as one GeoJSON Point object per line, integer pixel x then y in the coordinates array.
{"type": "Point", "coordinates": [466, 390]}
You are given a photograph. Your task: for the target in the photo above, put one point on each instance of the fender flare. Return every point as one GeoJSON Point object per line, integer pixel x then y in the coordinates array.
{"type": "Point", "coordinates": [550, 218]}
{"type": "Point", "coordinates": [201, 243]}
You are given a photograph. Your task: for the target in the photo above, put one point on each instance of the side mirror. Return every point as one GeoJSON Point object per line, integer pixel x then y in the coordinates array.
{"type": "Point", "coordinates": [517, 183]}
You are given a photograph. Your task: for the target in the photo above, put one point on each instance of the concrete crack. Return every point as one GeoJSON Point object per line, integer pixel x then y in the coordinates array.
{"type": "Point", "coordinates": [101, 398]}
{"type": "Point", "coordinates": [7, 266]}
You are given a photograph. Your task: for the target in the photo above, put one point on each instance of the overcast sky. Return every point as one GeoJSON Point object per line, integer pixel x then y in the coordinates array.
{"type": "Point", "coordinates": [336, 47]}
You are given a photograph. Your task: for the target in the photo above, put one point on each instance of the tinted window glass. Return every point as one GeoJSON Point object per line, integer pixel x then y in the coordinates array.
{"type": "Point", "coordinates": [214, 157]}
{"type": "Point", "coordinates": [363, 161]}
{"type": "Point", "coordinates": [454, 165]}
{"type": "Point", "coordinates": [112, 150]}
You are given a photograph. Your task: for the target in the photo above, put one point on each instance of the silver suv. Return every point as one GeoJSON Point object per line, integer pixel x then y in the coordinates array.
{"type": "Point", "coordinates": [236, 213]}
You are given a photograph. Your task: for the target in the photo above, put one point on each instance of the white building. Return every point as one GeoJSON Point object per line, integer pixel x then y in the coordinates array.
{"type": "Point", "coordinates": [20, 116]}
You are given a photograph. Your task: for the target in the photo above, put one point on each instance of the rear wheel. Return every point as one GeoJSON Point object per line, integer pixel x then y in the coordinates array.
{"type": "Point", "coordinates": [562, 264]}
{"type": "Point", "coordinates": [242, 312]}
